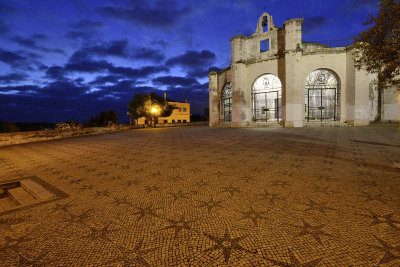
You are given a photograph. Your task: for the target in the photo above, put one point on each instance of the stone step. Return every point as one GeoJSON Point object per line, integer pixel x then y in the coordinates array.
{"type": "Point", "coordinates": [7, 203]}
{"type": "Point", "coordinates": [21, 196]}
{"type": "Point", "coordinates": [36, 190]}
{"type": "Point", "coordinates": [326, 124]}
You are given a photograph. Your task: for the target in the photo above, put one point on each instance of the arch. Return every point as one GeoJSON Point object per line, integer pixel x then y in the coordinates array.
{"type": "Point", "coordinates": [265, 17]}
{"type": "Point", "coordinates": [226, 103]}
{"type": "Point", "coordinates": [266, 93]}
{"type": "Point", "coordinates": [322, 96]}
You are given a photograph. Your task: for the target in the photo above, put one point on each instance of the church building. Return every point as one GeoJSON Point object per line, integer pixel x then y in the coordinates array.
{"type": "Point", "coordinates": [276, 78]}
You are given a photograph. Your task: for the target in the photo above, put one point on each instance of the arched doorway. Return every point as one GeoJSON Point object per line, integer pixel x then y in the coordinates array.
{"type": "Point", "coordinates": [226, 103]}
{"type": "Point", "coordinates": [322, 96]}
{"type": "Point", "coordinates": [267, 99]}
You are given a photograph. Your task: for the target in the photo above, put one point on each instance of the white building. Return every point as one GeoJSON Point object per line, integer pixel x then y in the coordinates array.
{"type": "Point", "coordinates": [276, 78]}
{"type": "Point", "coordinates": [180, 114]}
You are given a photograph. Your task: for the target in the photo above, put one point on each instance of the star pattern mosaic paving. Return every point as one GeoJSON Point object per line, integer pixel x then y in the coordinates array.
{"type": "Point", "coordinates": [327, 196]}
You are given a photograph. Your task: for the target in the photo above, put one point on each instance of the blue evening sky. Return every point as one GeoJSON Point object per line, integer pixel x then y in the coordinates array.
{"type": "Point", "coordinates": [70, 59]}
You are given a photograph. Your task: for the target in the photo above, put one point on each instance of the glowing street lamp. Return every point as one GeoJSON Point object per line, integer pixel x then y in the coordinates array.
{"type": "Point", "coordinates": [154, 111]}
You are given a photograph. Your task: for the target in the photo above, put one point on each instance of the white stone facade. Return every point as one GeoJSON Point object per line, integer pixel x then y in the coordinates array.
{"type": "Point", "coordinates": [277, 79]}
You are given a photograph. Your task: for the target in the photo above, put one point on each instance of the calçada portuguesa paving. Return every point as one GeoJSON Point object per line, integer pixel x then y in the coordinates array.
{"type": "Point", "coordinates": [209, 196]}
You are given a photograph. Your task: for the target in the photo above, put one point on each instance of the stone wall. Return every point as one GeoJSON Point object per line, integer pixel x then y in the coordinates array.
{"type": "Point", "coordinates": [292, 60]}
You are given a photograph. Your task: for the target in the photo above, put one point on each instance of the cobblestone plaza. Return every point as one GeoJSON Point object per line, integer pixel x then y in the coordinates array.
{"type": "Point", "coordinates": [323, 196]}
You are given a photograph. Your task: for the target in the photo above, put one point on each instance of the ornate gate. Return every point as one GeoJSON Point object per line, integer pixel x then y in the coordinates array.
{"type": "Point", "coordinates": [267, 99]}
{"type": "Point", "coordinates": [321, 96]}
{"type": "Point", "coordinates": [226, 103]}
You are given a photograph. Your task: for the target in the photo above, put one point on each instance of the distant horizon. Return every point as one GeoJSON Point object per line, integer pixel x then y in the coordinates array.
{"type": "Point", "coordinates": [126, 121]}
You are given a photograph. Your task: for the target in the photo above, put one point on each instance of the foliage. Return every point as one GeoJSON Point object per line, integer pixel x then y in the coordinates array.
{"type": "Point", "coordinates": [8, 127]}
{"type": "Point", "coordinates": [104, 119]}
{"type": "Point", "coordinates": [69, 125]}
{"type": "Point", "coordinates": [141, 106]}
{"type": "Point", "coordinates": [378, 47]}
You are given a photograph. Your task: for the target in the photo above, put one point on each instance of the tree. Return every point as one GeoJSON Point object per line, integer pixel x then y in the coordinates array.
{"type": "Point", "coordinates": [8, 127]}
{"type": "Point", "coordinates": [151, 106]}
{"type": "Point", "coordinates": [377, 49]}
{"type": "Point", "coordinates": [104, 119]}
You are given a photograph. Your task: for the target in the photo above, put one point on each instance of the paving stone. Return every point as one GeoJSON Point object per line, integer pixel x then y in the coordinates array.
{"type": "Point", "coordinates": [204, 196]}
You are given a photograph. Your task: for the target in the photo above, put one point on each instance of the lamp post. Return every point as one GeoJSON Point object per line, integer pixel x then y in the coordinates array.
{"type": "Point", "coordinates": [154, 111]}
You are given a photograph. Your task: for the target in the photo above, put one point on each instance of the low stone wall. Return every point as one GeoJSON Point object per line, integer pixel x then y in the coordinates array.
{"type": "Point", "coordinates": [36, 136]}
{"type": "Point", "coordinates": [183, 124]}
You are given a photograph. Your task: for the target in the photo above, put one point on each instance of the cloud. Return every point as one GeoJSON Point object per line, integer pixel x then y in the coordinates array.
{"type": "Point", "coordinates": [101, 80]}
{"type": "Point", "coordinates": [4, 28]}
{"type": "Point", "coordinates": [55, 72]}
{"type": "Point", "coordinates": [11, 58]}
{"type": "Point", "coordinates": [160, 43]}
{"type": "Point", "coordinates": [79, 35]}
{"type": "Point", "coordinates": [175, 81]}
{"type": "Point", "coordinates": [113, 48]}
{"type": "Point", "coordinates": [13, 77]}
{"type": "Point", "coordinates": [192, 59]}
{"type": "Point", "coordinates": [39, 36]}
{"type": "Point", "coordinates": [31, 43]}
{"type": "Point", "coordinates": [311, 24]}
{"type": "Point", "coordinates": [142, 72]}
{"type": "Point", "coordinates": [84, 30]}
{"type": "Point", "coordinates": [4, 9]}
{"type": "Point", "coordinates": [80, 61]}
{"type": "Point", "coordinates": [195, 63]}
{"type": "Point", "coordinates": [119, 48]}
{"type": "Point", "coordinates": [162, 14]}
{"type": "Point", "coordinates": [89, 66]}
{"type": "Point", "coordinates": [87, 24]}
{"type": "Point", "coordinates": [356, 5]}
{"type": "Point", "coordinates": [148, 54]}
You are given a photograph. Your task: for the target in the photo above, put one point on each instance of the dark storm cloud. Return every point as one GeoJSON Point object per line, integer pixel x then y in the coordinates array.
{"type": "Point", "coordinates": [175, 81]}
{"type": "Point", "coordinates": [311, 24]}
{"type": "Point", "coordinates": [12, 77]}
{"type": "Point", "coordinates": [195, 63]}
{"type": "Point", "coordinates": [31, 43]}
{"type": "Point", "coordinates": [88, 24]}
{"type": "Point", "coordinates": [163, 14]}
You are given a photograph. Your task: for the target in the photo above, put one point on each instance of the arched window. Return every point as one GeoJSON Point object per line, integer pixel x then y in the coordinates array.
{"type": "Point", "coordinates": [322, 101]}
{"type": "Point", "coordinates": [267, 98]}
{"type": "Point", "coordinates": [265, 24]}
{"type": "Point", "coordinates": [226, 103]}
